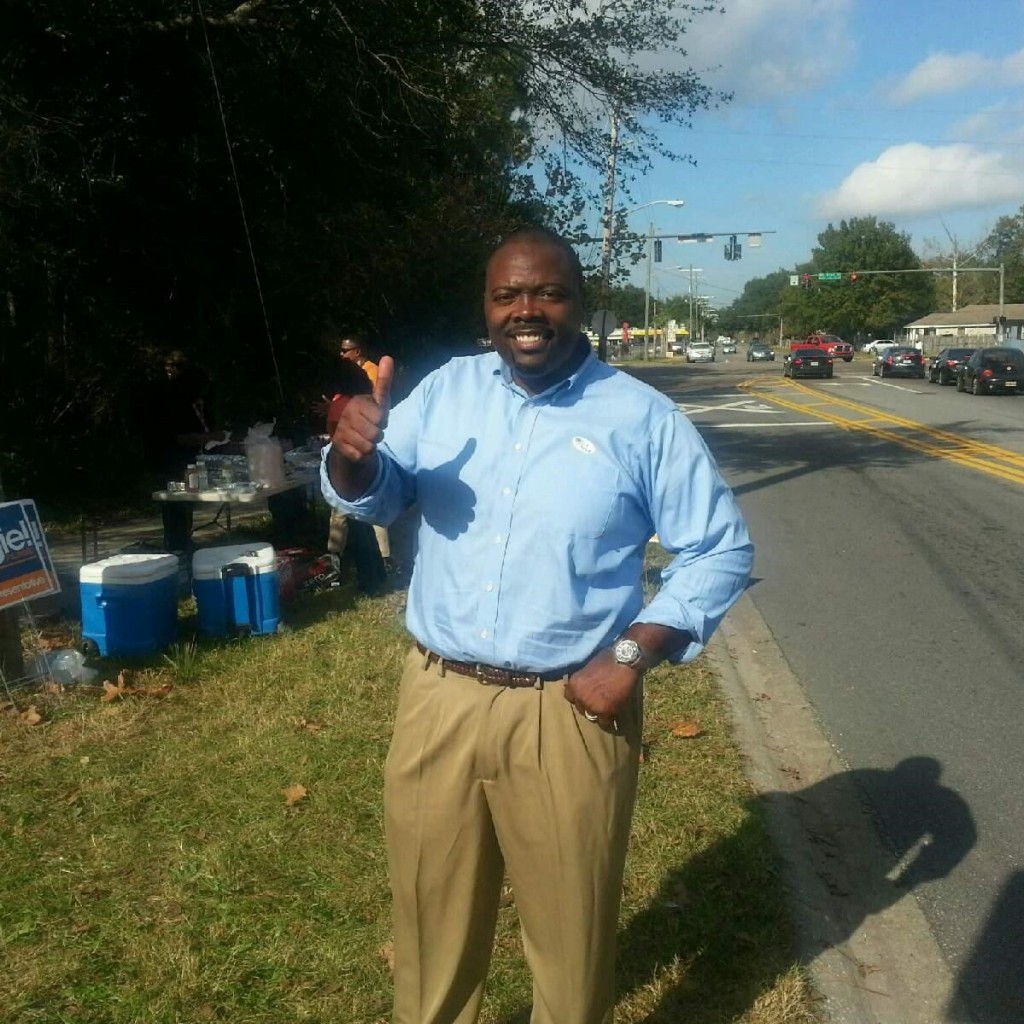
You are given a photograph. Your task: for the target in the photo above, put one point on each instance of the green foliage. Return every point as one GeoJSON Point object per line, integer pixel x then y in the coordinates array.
{"type": "Point", "coordinates": [240, 181]}
{"type": "Point", "coordinates": [875, 306]}
{"type": "Point", "coordinates": [1005, 244]}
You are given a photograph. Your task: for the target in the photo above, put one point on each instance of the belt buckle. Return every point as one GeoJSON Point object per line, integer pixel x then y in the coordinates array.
{"type": "Point", "coordinates": [478, 668]}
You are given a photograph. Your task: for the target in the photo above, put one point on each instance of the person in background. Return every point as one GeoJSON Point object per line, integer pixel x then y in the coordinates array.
{"type": "Point", "coordinates": [344, 533]}
{"type": "Point", "coordinates": [352, 350]}
{"type": "Point", "coordinates": [541, 474]}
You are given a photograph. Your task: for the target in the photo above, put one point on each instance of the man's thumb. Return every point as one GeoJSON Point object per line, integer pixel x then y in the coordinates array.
{"type": "Point", "coordinates": [382, 385]}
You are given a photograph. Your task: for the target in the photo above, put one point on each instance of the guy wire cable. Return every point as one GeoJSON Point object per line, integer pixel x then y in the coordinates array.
{"type": "Point", "coordinates": [241, 204]}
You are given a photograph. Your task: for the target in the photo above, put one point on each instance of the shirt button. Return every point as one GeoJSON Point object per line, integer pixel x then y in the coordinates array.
{"type": "Point", "coordinates": [506, 490]}
{"type": "Point", "coordinates": [518, 446]}
{"type": "Point", "coordinates": [484, 634]}
{"type": "Point", "coordinates": [489, 587]}
{"type": "Point", "coordinates": [498, 538]}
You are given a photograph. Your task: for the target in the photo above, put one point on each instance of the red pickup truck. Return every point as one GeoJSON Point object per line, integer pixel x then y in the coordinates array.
{"type": "Point", "coordinates": [831, 343]}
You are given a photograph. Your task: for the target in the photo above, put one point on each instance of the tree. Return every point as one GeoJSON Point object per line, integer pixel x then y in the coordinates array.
{"type": "Point", "coordinates": [876, 305]}
{"type": "Point", "coordinates": [1005, 244]}
{"type": "Point", "coordinates": [241, 181]}
{"type": "Point", "coordinates": [755, 309]}
{"type": "Point", "coordinates": [954, 289]}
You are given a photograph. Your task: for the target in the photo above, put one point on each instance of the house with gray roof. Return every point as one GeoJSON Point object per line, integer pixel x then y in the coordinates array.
{"type": "Point", "coordinates": [969, 326]}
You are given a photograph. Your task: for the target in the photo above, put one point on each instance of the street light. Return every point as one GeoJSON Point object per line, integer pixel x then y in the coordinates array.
{"type": "Point", "coordinates": [692, 270]}
{"type": "Point", "coordinates": [606, 261]}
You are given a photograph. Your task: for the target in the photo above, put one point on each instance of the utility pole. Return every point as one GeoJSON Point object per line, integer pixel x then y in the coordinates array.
{"type": "Point", "coordinates": [647, 292]}
{"type": "Point", "coordinates": [606, 227]}
{"type": "Point", "coordinates": [957, 262]}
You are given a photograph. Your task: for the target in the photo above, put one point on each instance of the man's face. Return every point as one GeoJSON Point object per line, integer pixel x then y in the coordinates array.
{"type": "Point", "coordinates": [350, 350]}
{"type": "Point", "coordinates": [534, 309]}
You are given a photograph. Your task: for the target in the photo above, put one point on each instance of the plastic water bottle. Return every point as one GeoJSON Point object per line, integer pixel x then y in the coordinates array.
{"type": "Point", "coordinates": [69, 666]}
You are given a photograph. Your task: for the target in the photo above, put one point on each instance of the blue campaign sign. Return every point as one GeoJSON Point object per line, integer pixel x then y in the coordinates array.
{"type": "Point", "coordinates": [26, 569]}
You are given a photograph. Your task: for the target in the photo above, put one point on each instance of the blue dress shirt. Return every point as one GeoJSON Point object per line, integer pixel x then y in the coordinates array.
{"type": "Point", "coordinates": [536, 511]}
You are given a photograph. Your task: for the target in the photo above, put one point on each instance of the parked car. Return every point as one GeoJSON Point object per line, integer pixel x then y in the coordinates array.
{"type": "Point", "coordinates": [900, 361]}
{"type": "Point", "coordinates": [832, 344]}
{"type": "Point", "coordinates": [758, 351]}
{"type": "Point", "coordinates": [700, 352]}
{"type": "Point", "coordinates": [873, 346]}
{"type": "Point", "coordinates": [808, 362]}
{"type": "Point", "coordinates": [942, 368]}
{"type": "Point", "coordinates": [992, 371]}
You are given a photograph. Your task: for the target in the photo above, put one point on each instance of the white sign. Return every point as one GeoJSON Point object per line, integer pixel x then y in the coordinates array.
{"type": "Point", "coordinates": [603, 322]}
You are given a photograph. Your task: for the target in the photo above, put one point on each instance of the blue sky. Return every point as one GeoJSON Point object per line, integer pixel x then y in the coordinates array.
{"type": "Point", "coordinates": [911, 110]}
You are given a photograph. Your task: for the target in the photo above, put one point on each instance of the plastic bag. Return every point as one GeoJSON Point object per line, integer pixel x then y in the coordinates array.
{"type": "Point", "coordinates": [66, 666]}
{"type": "Point", "coordinates": [266, 460]}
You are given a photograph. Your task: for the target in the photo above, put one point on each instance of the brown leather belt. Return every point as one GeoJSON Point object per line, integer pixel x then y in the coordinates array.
{"type": "Point", "coordinates": [488, 673]}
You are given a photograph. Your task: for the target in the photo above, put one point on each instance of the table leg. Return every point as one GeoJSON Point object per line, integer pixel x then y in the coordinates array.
{"type": "Point", "coordinates": [177, 517]}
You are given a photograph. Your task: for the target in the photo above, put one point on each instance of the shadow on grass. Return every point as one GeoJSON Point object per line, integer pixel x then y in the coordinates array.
{"type": "Point", "coordinates": [721, 931]}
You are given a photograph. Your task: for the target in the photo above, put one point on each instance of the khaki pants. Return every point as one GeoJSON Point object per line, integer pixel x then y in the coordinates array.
{"type": "Point", "coordinates": [481, 780]}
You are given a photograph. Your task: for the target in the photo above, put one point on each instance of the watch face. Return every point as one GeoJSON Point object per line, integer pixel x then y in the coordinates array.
{"type": "Point", "coordinates": [627, 652]}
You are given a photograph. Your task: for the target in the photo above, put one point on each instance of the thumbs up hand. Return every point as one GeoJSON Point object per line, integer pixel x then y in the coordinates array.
{"type": "Point", "coordinates": [352, 461]}
{"type": "Point", "coordinates": [364, 418]}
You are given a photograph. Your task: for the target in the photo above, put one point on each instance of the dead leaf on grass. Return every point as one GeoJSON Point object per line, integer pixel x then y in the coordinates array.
{"type": "Point", "coordinates": [293, 794]}
{"type": "Point", "coordinates": [310, 725]}
{"type": "Point", "coordinates": [30, 716]}
{"type": "Point", "coordinates": [112, 691]}
{"type": "Point", "coordinates": [387, 954]}
{"type": "Point", "coordinates": [686, 730]}
{"type": "Point", "coordinates": [157, 692]}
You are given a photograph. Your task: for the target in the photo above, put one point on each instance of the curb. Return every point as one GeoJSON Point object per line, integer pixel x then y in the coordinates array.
{"type": "Point", "coordinates": [867, 946]}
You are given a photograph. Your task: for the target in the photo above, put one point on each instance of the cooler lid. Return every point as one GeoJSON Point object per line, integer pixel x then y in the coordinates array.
{"type": "Point", "coordinates": [134, 569]}
{"type": "Point", "coordinates": [208, 562]}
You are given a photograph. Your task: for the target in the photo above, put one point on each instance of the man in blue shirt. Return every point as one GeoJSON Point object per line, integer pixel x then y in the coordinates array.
{"type": "Point", "coordinates": [540, 474]}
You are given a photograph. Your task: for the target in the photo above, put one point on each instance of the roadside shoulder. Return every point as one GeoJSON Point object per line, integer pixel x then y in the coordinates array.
{"type": "Point", "coordinates": [867, 945]}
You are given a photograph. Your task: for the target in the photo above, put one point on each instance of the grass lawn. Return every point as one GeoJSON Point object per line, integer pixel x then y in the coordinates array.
{"type": "Point", "coordinates": [208, 848]}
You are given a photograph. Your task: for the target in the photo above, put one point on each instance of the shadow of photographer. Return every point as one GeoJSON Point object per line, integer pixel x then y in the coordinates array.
{"type": "Point", "coordinates": [696, 934]}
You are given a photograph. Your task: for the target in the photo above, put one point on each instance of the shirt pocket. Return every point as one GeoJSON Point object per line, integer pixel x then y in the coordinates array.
{"type": "Point", "coordinates": [582, 497]}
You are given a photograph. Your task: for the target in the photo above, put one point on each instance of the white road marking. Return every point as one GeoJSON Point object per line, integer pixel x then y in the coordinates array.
{"type": "Point", "coordinates": [748, 404]}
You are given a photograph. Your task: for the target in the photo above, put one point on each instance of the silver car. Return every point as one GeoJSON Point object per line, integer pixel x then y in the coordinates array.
{"type": "Point", "coordinates": [699, 352]}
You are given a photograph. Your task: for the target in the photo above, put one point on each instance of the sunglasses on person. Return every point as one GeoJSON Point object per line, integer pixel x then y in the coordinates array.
{"type": "Point", "coordinates": [349, 348]}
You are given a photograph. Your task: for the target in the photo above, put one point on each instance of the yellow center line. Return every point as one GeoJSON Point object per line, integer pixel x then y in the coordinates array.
{"type": "Point", "coordinates": [942, 444]}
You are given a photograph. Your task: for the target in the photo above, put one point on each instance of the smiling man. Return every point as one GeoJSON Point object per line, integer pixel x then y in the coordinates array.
{"type": "Point", "coordinates": [540, 474]}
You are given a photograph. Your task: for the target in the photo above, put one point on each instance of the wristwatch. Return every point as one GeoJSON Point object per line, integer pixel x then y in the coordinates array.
{"type": "Point", "coordinates": [628, 652]}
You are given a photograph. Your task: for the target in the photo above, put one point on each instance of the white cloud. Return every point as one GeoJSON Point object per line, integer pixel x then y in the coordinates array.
{"type": "Point", "coordinates": [952, 72]}
{"type": "Point", "coordinates": [1003, 122]}
{"type": "Point", "coordinates": [914, 179]}
{"type": "Point", "coordinates": [765, 49]}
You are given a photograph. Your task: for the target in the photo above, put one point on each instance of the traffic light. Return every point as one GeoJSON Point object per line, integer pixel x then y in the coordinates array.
{"type": "Point", "coordinates": [733, 249]}
{"type": "Point", "coordinates": [853, 278]}
{"type": "Point", "coordinates": [805, 280]}
{"type": "Point", "coordinates": [657, 250]}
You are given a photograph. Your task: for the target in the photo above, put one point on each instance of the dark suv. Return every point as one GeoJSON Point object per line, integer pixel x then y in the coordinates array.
{"type": "Point", "coordinates": [992, 371]}
{"type": "Point", "coordinates": [942, 368]}
{"type": "Point", "coordinates": [901, 361]}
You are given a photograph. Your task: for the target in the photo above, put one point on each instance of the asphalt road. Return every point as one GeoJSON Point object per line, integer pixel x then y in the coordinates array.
{"type": "Point", "coordinates": [890, 542]}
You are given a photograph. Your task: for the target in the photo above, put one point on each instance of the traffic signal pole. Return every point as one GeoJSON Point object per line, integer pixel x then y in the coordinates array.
{"type": "Point", "coordinates": [856, 274]}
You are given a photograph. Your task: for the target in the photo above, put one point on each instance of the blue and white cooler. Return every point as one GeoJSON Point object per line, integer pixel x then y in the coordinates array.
{"type": "Point", "coordinates": [236, 589]}
{"type": "Point", "coordinates": [130, 603]}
